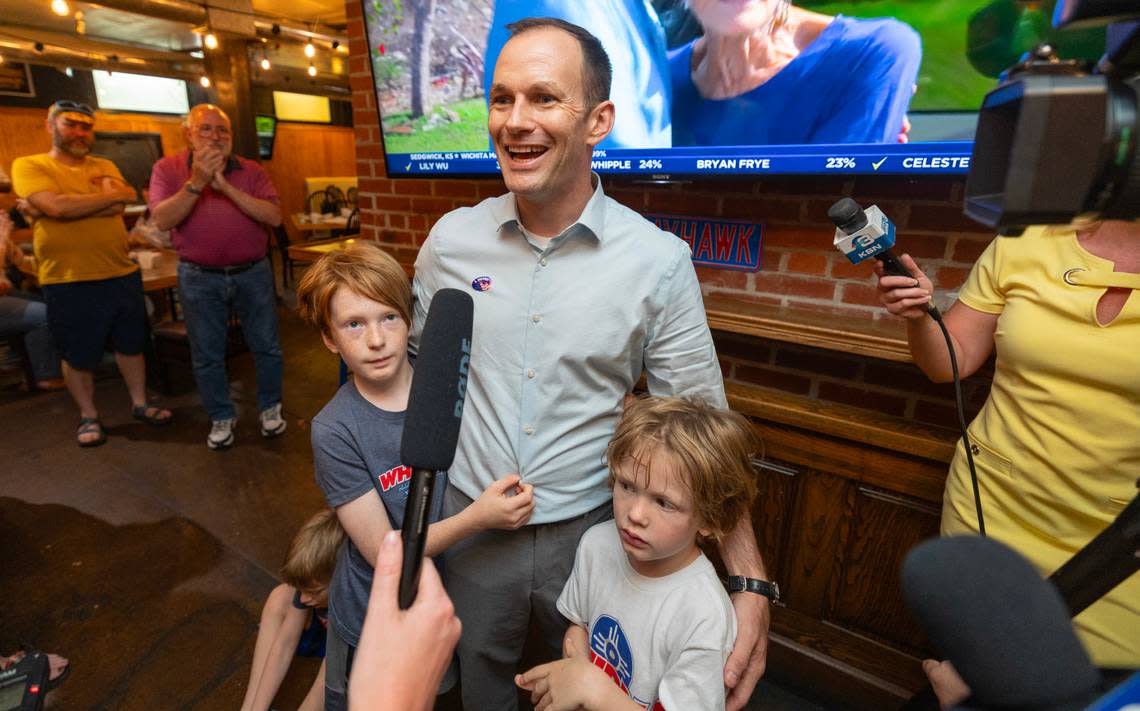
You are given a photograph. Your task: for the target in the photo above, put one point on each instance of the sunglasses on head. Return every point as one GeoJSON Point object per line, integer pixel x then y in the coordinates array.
{"type": "Point", "coordinates": [69, 105]}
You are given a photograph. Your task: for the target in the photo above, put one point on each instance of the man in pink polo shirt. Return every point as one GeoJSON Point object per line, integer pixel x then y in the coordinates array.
{"type": "Point", "coordinates": [217, 205]}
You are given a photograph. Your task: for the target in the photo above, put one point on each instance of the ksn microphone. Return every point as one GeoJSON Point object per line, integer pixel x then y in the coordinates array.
{"type": "Point", "coordinates": [1007, 631]}
{"type": "Point", "coordinates": [868, 234]}
{"type": "Point", "coordinates": [431, 426]}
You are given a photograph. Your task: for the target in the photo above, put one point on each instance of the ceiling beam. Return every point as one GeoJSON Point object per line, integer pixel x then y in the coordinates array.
{"type": "Point", "coordinates": [196, 14]}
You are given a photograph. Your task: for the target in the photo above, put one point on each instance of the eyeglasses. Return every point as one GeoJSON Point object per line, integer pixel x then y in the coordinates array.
{"type": "Point", "coordinates": [205, 129]}
{"type": "Point", "coordinates": [69, 105]}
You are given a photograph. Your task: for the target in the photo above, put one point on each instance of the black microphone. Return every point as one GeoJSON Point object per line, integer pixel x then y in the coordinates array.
{"type": "Point", "coordinates": [431, 425]}
{"type": "Point", "coordinates": [1007, 631]}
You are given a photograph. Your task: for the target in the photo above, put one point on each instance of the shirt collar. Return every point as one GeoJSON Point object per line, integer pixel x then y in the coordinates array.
{"type": "Point", "coordinates": [592, 219]}
{"type": "Point", "coordinates": [232, 163]}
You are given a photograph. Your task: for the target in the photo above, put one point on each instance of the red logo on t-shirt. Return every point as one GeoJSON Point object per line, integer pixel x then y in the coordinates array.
{"type": "Point", "coordinates": [395, 475]}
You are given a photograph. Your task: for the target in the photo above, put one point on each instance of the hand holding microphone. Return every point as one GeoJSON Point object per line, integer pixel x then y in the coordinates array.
{"type": "Point", "coordinates": [868, 234]}
{"type": "Point", "coordinates": [403, 654]}
{"type": "Point", "coordinates": [905, 296]}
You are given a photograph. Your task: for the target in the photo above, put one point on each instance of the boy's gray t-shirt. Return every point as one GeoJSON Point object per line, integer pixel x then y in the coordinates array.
{"type": "Point", "coordinates": [356, 452]}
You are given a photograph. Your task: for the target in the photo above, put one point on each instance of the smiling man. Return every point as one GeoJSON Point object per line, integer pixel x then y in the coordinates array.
{"type": "Point", "coordinates": [575, 295]}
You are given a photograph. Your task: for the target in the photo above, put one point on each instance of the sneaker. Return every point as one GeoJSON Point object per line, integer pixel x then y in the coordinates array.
{"type": "Point", "coordinates": [221, 434]}
{"type": "Point", "coordinates": [272, 423]}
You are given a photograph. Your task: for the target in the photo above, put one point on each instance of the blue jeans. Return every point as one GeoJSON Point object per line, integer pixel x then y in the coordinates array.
{"type": "Point", "coordinates": [206, 302]}
{"type": "Point", "coordinates": [19, 315]}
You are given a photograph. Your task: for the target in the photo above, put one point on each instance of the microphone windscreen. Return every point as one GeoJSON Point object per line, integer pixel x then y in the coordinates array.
{"type": "Point", "coordinates": [439, 383]}
{"type": "Point", "coordinates": [1006, 630]}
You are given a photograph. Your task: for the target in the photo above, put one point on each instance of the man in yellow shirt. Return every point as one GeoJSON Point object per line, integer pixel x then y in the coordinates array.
{"type": "Point", "coordinates": [92, 288]}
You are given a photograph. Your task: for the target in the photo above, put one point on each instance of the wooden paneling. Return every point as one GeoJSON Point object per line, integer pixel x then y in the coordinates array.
{"type": "Point", "coordinates": [23, 132]}
{"type": "Point", "coordinates": [302, 150]}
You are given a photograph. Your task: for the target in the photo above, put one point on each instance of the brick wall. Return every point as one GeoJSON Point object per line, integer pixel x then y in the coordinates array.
{"type": "Point", "coordinates": [800, 266]}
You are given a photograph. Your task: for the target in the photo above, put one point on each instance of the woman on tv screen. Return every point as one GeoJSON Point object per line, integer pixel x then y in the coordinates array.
{"type": "Point", "coordinates": [767, 72]}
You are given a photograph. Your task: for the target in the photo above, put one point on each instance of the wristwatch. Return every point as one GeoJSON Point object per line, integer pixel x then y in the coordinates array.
{"type": "Point", "coordinates": [739, 583]}
{"type": "Point", "coordinates": [191, 189]}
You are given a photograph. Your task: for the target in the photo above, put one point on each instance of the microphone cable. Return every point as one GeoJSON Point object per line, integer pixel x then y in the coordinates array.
{"type": "Point", "coordinates": [935, 314]}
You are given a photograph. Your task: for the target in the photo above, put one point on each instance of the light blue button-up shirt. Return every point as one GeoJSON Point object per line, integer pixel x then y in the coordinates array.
{"type": "Point", "coordinates": [561, 335]}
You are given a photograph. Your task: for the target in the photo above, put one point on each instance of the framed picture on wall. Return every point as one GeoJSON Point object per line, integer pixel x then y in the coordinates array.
{"type": "Point", "coordinates": [16, 79]}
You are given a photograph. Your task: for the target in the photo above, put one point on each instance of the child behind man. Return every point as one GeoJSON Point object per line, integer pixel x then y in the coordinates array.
{"type": "Point", "coordinates": [361, 301]}
{"type": "Point", "coordinates": [295, 615]}
{"type": "Point", "coordinates": [651, 624]}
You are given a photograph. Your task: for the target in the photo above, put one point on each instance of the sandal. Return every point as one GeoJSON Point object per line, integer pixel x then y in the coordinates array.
{"type": "Point", "coordinates": [90, 425]}
{"type": "Point", "coordinates": [151, 415]}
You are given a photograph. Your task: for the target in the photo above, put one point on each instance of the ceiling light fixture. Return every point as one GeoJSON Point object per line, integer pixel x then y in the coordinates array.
{"type": "Point", "coordinates": [265, 64]}
{"type": "Point", "coordinates": [310, 50]}
{"type": "Point", "coordinates": [204, 81]}
{"type": "Point", "coordinates": [312, 70]}
{"type": "Point", "coordinates": [210, 40]}
{"type": "Point", "coordinates": [60, 7]}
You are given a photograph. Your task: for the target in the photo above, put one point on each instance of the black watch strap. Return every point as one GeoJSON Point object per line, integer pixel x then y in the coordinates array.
{"type": "Point", "coordinates": [739, 583]}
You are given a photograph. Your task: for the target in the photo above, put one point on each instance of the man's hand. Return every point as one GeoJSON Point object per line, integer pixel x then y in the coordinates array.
{"type": "Point", "coordinates": [125, 193]}
{"type": "Point", "coordinates": [403, 654]}
{"type": "Point", "coordinates": [28, 210]}
{"type": "Point", "coordinates": [204, 165]}
{"type": "Point", "coordinates": [506, 504]}
{"type": "Point", "coordinates": [749, 655]}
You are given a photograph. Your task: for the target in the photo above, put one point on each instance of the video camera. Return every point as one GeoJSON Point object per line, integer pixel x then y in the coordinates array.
{"type": "Point", "coordinates": [1057, 140]}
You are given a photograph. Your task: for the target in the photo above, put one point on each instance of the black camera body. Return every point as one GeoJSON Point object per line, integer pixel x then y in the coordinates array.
{"type": "Point", "coordinates": [24, 684]}
{"type": "Point", "coordinates": [1058, 140]}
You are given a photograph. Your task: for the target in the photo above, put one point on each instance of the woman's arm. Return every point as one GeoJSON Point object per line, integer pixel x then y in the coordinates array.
{"type": "Point", "coordinates": [971, 331]}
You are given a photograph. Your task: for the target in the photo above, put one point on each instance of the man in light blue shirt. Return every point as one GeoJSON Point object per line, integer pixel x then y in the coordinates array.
{"type": "Point", "coordinates": [575, 295]}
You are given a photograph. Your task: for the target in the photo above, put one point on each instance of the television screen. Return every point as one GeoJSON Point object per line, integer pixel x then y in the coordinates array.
{"type": "Point", "coordinates": [138, 92]}
{"type": "Point", "coordinates": [134, 154]}
{"type": "Point", "coordinates": [266, 134]}
{"type": "Point", "coordinates": [714, 87]}
{"type": "Point", "coordinates": [308, 108]}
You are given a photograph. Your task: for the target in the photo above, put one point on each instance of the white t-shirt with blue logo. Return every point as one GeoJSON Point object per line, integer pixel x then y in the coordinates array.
{"type": "Point", "coordinates": [664, 641]}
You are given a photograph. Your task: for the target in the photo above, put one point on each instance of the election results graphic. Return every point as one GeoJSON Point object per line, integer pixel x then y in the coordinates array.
{"type": "Point", "coordinates": [610, 651]}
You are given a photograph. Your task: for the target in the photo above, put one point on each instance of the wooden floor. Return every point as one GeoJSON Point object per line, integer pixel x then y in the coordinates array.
{"type": "Point", "coordinates": [146, 561]}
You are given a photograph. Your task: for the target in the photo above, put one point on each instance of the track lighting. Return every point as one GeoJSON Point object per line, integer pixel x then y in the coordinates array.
{"type": "Point", "coordinates": [204, 81]}
{"type": "Point", "coordinates": [310, 50]}
{"type": "Point", "coordinates": [210, 40]}
{"type": "Point", "coordinates": [312, 70]}
{"type": "Point", "coordinates": [265, 64]}
{"type": "Point", "coordinates": [60, 7]}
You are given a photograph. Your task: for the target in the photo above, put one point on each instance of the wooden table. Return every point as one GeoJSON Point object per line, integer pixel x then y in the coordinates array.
{"type": "Point", "coordinates": [163, 274]}
{"type": "Point", "coordinates": [326, 223]}
{"type": "Point", "coordinates": [312, 251]}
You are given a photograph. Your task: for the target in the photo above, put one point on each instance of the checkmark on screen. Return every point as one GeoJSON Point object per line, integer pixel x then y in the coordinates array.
{"type": "Point", "coordinates": [407, 167]}
{"type": "Point", "coordinates": [880, 162]}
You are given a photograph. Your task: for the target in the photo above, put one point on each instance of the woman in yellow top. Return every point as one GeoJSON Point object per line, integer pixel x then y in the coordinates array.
{"type": "Point", "coordinates": [1058, 440]}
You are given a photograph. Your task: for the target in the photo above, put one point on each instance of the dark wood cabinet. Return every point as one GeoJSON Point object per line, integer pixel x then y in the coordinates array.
{"type": "Point", "coordinates": [835, 517]}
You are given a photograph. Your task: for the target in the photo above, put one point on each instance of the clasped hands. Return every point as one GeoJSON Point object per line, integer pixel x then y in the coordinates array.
{"type": "Point", "coordinates": [207, 168]}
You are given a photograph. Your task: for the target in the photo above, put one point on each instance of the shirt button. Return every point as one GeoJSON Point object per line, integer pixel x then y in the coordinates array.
{"type": "Point", "coordinates": [530, 373]}
{"type": "Point", "coordinates": [528, 430]}
{"type": "Point", "coordinates": [542, 261]}
{"type": "Point", "coordinates": [536, 318]}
